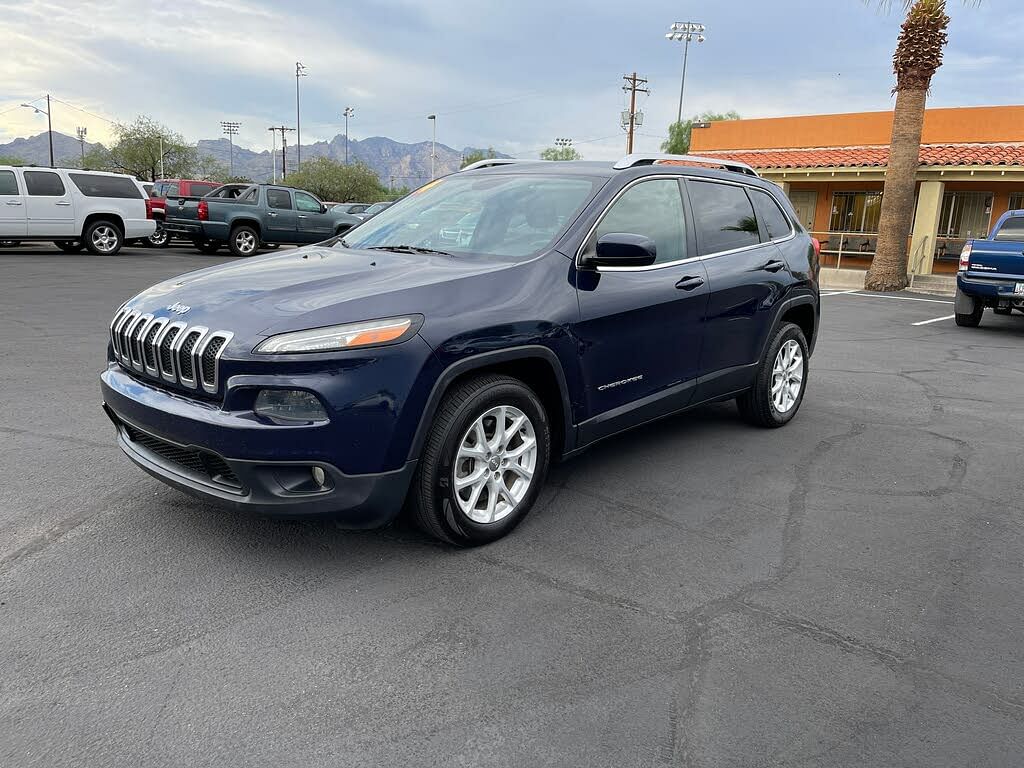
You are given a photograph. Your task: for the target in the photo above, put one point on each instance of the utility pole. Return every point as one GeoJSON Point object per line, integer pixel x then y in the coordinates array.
{"type": "Point", "coordinates": [349, 112]}
{"type": "Point", "coordinates": [273, 152]}
{"type": "Point", "coordinates": [162, 157]}
{"type": "Point", "coordinates": [81, 133]}
{"type": "Point", "coordinates": [433, 146]}
{"type": "Point", "coordinates": [300, 71]}
{"type": "Point", "coordinates": [230, 127]}
{"type": "Point", "coordinates": [49, 122]}
{"type": "Point", "coordinates": [284, 148]}
{"type": "Point", "coordinates": [632, 118]}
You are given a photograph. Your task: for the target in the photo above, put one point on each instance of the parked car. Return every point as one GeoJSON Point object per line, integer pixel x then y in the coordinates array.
{"type": "Point", "coordinates": [173, 188]}
{"type": "Point", "coordinates": [376, 208]}
{"type": "Point", "coordinates": [353, 208]}
{"type": "Point", "coordinates": [991, 272]}
{"type": "Point", "coordinates": [75, 209]}
{"type": "Point", "coordinates": [264, 214]}
{"type": "Point", "coordinates": [393, 365]}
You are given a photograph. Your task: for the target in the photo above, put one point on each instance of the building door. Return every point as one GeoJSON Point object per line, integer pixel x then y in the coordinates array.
{"type": "Point", "coordinates": [805, 202]}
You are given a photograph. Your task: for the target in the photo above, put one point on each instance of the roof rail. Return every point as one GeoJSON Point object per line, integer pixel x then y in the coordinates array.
{"type": "Point", "coordinates": [492, 161]}
{"type": "Point", "coordinates": [645, 158]}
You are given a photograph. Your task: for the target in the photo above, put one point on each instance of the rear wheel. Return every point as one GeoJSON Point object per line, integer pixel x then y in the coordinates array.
{"type": "Point", "coordinates": [244, 240]}
{"type": "Point", "coordinates": [970, 319]}
{"type": "Point", "coordinates": [484, 461]}
{"type": "Point", "coordinates": [70, 246]}
{"type": "Point", "coordinates": [778, 389]}
{"type": "Point", "coordinates": [103, 238]}
{"type": "Point", "coordinates": [160, 238]}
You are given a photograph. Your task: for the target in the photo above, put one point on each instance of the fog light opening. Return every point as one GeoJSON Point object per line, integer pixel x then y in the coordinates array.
{"type": "Point", "coordinates": [319, 476]}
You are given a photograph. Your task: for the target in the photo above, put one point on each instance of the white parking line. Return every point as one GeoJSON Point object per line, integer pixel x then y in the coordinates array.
{"type": "Point", "coordinates": [838, 293]}
{"type": "Point", "coordinates": [897, 298]}
{"type": "Point", "coordinates": [935, 320]}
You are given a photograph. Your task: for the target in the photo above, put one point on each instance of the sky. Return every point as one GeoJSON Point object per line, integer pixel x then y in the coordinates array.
{"type": "Point", "coordinates": [512, 75]}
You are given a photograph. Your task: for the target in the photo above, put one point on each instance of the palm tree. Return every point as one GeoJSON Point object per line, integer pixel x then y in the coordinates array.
{"type": "Point", "coordinates": [918, 56]}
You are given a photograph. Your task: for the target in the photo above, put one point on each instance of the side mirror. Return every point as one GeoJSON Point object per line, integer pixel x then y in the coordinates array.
{"type": "Point", "coordinates": [623, 249]}
{"type": "Point", "coordinates": [323, 208]}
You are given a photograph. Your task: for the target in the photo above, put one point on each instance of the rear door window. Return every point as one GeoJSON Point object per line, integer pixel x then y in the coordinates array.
{"type": "Point", "coordinates": [775, 222]}
{"type": "Point", "coordinates": [106, 186]}
{"type": "Point", "coordinates": [724, 216]}
{"type": "Point", "coordinates": [8, 183]}
{"type": "Point", "coordinates": [198, 190]}
{"type": "Point", "coordinates": [279, 198]}
{"type": "Point", "coordinates": [44, 184]}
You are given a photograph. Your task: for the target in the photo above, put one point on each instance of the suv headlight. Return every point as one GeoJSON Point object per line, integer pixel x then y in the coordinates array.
{"type": "Point", "coordinates": [369, 333]}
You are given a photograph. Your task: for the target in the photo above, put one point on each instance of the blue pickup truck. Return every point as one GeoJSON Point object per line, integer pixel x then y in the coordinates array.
{"type": "Point", "coordinates": [992, 272]}
{"type": "Point", "coordinates": [264, 214]}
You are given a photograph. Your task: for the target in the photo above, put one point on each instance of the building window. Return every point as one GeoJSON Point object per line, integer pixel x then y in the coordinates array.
{"type": "Point", "coordinates": [1017, 202]}
{"type": "Point", "coordinates": [855, 211]}
{"type": "Point", "coordinates": [965, 215]}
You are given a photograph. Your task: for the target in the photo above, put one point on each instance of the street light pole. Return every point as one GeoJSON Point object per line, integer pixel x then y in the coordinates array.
{"type": "Point", "coordinates": [685, 32]}
{"type": "Point", "coordinates": [273, 151]}
{"type": "Point", "coordinates": [433, 146]}
{"type": "Point", "coordinates": [300, 71]}
{"type": "Point", "coordinates": [349, 112]}
{"type": "Point", "coordinates": [161, 157]}
{"type": "Point", "coordinates": [49, 122]}
{"type": "Point", "coordinates": [230, 127]}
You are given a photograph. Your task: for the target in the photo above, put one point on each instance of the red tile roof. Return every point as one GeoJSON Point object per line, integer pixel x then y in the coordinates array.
{"type": "Point", "coordinates": [875, 157]}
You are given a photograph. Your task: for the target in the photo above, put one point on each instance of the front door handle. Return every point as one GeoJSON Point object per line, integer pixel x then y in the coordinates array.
{"type": "Point", "coordinates": [774, 266]}
{"type": "Point", "coordinates": [271, 213]}
{"type": "Point", "coordinates": [302, 216]}
{"type": "Point", "coordinates": [690, 282]}
{"type": "Point", "coordinates": [14, 202]}
{"type": "Point", "coordinates": [63, 202]}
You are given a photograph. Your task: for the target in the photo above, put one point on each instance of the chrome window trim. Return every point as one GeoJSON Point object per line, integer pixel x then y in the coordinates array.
{"type": "Point", "coordinates": [171, 375]}
{"type": "Point", "coordinates": [135, 337]}
{"type": "Point", "coordinates": [157, 324]}
{"type": "Point", "coordinates": [716, 254]}
{"type": "Point", "coordinates": [179, 342]}
{"type": "Point", "coordinates": [792, 228]}
{"type": "Point", "coordinates": [608, 207]}
{"type": "Point", "coordinates": [201, 350]}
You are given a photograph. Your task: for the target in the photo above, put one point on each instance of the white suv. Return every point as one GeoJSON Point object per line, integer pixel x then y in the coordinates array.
{"type": "Point", "coordinates": [73, 208]}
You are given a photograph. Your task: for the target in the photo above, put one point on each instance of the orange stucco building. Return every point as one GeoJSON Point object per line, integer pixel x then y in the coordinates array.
{"type": "Point", "coordinates": [833, 168]}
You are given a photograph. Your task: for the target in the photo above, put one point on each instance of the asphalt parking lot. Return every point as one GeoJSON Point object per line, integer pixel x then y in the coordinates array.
{"type": "Point", "coordinates": [842, 592]}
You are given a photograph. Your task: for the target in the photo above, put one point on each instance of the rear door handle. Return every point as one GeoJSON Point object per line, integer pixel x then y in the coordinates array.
{"type": "Point", "coordinates": [690, 282]}
{"type": "Point", "coordinates": [14, 202]}
{"type": "Point", "coordinates": [302, 216]}
{"type": "Point", "coordinates": [271, 213]}
{"type": "Point", "coordinates": [774, 266]}
{"type": "Point", "coordinates": [63, 202]}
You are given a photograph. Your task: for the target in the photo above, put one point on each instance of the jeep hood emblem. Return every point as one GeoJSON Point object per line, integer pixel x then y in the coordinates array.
{"type": "Point", "coordinates": [178, 308]}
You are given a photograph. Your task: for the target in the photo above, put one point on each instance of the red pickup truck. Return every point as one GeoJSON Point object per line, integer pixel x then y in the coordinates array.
{"type": "Point", "coordinates": [173, 188]}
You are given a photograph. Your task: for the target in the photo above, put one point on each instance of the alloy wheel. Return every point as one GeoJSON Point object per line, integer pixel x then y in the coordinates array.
{"type": "Point", "coordinates": [787, 376]}
{"type": "Point", "coordinates": [245, 242]}
{"type": "Point", "coordinates": [495, 464]}
{"type": "Point", "coordinates": [104, 238]}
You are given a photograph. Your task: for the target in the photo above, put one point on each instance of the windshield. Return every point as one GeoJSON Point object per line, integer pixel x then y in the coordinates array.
{"type": "Point", "coordinates": [514, 215]}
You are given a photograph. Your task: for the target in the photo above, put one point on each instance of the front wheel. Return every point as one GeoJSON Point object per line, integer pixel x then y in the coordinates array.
{"type": "Point", "coordinates": [70, 246]}
{"type": "Point", "coordinates": [484, 461]}
{"type": "Point", "coordinates": [1003, 310]}
{"type": "Point", "coordinates": [781, 378]}
{"type": "Point", "coordinates": [103, 238]}
{"type": "Point", "coordinates": [209, 247]}
{"type": "Point", "coordinates": [244, 241]}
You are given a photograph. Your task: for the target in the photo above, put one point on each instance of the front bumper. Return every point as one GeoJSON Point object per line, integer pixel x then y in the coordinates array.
{"type": "Point", "coordinates": [200, 450]}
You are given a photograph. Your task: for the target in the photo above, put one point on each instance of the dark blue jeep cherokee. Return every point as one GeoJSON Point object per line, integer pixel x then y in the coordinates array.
{"type": "Point", "coordinates": [442, 353]}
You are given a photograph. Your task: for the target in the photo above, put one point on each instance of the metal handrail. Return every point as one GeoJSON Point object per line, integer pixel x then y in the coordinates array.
{"type": "Point", "coordinates": [915, 263]}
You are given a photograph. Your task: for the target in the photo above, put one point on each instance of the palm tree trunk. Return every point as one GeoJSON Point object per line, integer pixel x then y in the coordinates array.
{"type": "Point", "coordinates": [888, 270]}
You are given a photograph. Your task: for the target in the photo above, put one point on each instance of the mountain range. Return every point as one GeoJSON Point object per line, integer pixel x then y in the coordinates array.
{"type": "Point", "coordinates": [396, 164]}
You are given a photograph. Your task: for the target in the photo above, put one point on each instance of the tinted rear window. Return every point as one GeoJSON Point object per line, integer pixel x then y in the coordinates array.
{"type": "Point", "coordinates": [1012, 229]}
{"type": "Point", "coordinates": [198, 190]}
{"type": "Point", "coordinates": [106, 186]}
{"type": "Point", "coordinates": [279, 198]}
{"type": "Point", "coordinates": [775, 222]}
{"type": "Point", "coordinates": [8, 183]}
{"type": "Point", "coordinates": [723, 216]}
{"type": "Point", "coordinates": [44, 183]}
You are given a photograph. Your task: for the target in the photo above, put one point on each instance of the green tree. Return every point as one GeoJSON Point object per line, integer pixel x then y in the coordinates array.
{"type": "Point", "coordinates": [561, 153]}
{"type": "Point", "coordinates": [477, 156]}
{"type": "Point", "coordinates": [11, 160]}
{"type": "Point", "coordinates": [330, 180]}
{"type": "Point", "coordinates": [678, 142]}
{"type": "Point", "coordinates": [917, 58]}
{"type": "Point", "coordinates": [136, 150]}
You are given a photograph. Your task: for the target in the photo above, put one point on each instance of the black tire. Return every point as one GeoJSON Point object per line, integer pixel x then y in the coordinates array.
{"type": "Point", "coordinates": [271, 246]}
{"type": "Point", "coordinates": [103, 238]}
{"type": "Point", "coordinates": [209, 247]}
{"type": "Point", "coordinates": [70, 246]}
{"type": "Point", "coordinates": [244, 241]}
{"type": "Point", "coordinates": [970, 319]}
{"type": "Point", "coordinates": [161, 238]}
{"type": "Point", "coordinates": [433, 503]}
{"type": "Point", "coordinates": [1003, 310]}
{"type": "Point", "coordinates": [757, 405]}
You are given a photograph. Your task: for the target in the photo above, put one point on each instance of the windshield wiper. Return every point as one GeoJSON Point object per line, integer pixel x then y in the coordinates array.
{"type": "Point", "coordinates": [406, 249]}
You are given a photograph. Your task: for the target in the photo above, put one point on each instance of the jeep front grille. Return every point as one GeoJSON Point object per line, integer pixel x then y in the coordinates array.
{"type": "Point", "coordinates": [171, 351]}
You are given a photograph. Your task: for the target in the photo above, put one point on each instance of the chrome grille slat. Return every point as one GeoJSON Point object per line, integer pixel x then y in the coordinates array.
{"type": "Point", "coordinates": [172, 351]}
